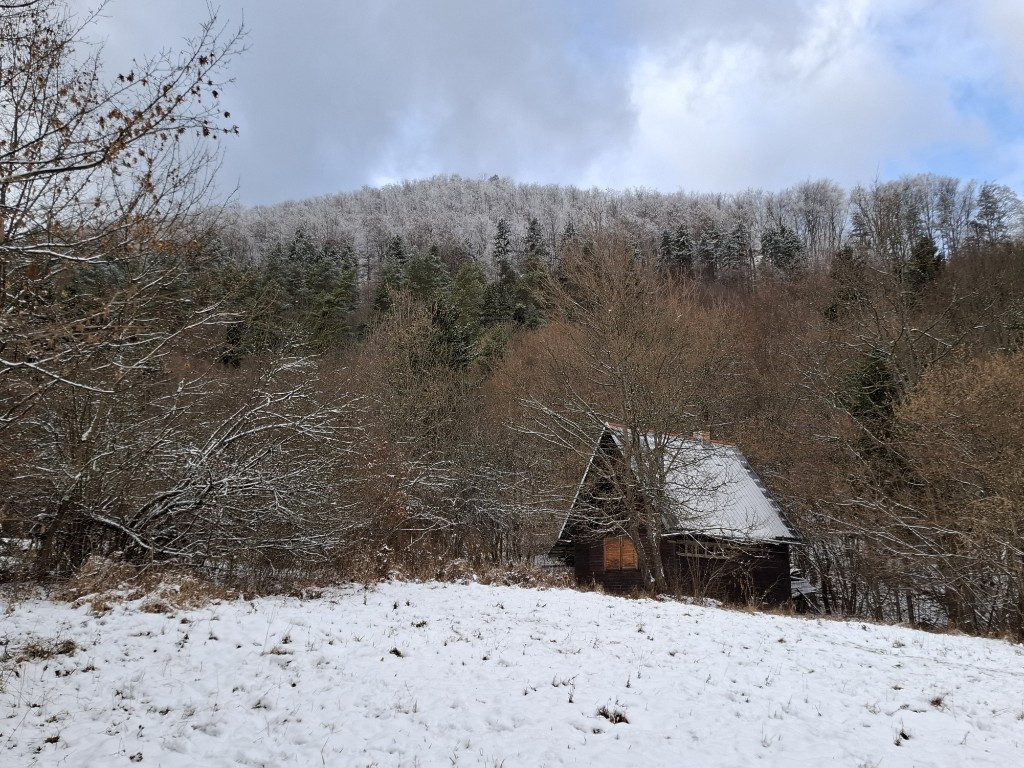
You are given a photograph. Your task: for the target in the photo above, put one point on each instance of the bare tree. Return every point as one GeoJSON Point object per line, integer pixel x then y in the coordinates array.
{"type": "Point", "coordinates": [204, 468]}
{"type": "Point", "coordinates": [960, 528]}
{"type": "Point", "coordinates": [632, 349]}
{"type": "Point", "coordinates": [98, 179]}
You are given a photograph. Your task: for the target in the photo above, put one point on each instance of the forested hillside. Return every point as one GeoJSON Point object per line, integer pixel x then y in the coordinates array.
{"type": "Point", "coordinates": [399, 378]}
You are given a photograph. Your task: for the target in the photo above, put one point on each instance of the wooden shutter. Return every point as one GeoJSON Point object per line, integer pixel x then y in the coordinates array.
{"type": "Point", "coordinates": [628, 555]}
{"type": "Point", "coordinates": [612, 554]}
{"type": "Point", "coordinates": [619, 554]}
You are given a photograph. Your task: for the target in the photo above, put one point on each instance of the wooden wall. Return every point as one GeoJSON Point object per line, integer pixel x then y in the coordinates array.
{"type": "Point", "coordinates": [757, 574]}
{"type": "Point", "coordinates": [589, 567]}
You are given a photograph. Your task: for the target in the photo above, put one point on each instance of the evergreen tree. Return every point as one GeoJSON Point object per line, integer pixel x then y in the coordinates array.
{"type": "Point", "coordinates": [873, 392]}
{"type": "Point", "coordinates": [428, 278]}
{"type": "Point", "coordinates": [468, 295]}
{"type": "Point", "coordinates": [782, 250]}
{"type": "Point", "coordinates": [532, 300]}
{"type": "Point", "coordinates": [264, 303]}
{"type": "Point", "coordinates": [860, 231]}
{"type": "Point", "coordinates": [392, 275]}
{"type": "Point", "coordinates": [925, 264]}
{"type": "Point", "coordinates": [396, 253]}
{"type": "Point", "coordinates": [335, 296]}
{"type": "Point", "coordinates": [534, 244]}
{"type": "Point", "coordinates": [502, 246]}
{"type": "Point", "coordinates": [998, 206]}
{"type": "Point", "coordinates": [665, 249]}
{"type": "Point", "coordinates": [734, 255]}
{"type": "Point", "coordinates": [682, 251]}
{"type": "Point", "coordinates": [847, 271]}
{"type": "Point", "coordinates": [501, 300]}
{"type": "Point", "coordinates": [453, 341]}
{"type": "Point", "coordinates": [302, 258]}
{"type": "Point", "coordinates": [570, 239]}
{"type": "Point", "coordinates": [707, 251]}
{"type": "Point", "coordinates": [301, 295]}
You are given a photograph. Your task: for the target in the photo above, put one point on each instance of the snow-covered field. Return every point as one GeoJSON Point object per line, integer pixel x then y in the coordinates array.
{"type": "Point", "coordinates": [468, 675]}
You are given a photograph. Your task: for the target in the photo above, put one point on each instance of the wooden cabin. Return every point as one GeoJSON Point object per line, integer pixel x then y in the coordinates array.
{"type": "Point", "coordinates": [722, 534]}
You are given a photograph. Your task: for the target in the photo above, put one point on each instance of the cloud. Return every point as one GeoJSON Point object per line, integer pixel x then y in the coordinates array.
{"type": "Point", "coordinates": [834, 101]}
{"type": "Point", "coordinates": [498, 88]}
{"type": "Point", "coordinates": [332, 96]}
{"type": "Point", "coordinates": [1002, 21]}
{"type": "Point", "coordinates": [707, 94]}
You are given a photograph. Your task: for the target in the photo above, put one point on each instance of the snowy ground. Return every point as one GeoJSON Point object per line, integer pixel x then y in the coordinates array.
{"type": "Point", "coordinates": [467, 675]}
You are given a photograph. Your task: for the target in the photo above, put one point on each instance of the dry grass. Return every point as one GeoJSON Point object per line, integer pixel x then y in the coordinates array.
{"type": "Point", "coordinates": [101, 582]}
{"type": "Point", "coordinates": [41, 650]}
{"type": "Point", "coordinates": [515, 574]}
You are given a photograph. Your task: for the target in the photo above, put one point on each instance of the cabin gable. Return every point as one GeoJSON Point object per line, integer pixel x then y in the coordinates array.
{"type": "Point", "coordinates": [737, 550]}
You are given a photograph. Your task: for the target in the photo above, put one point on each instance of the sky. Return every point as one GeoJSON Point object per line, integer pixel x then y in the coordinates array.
{"type": "Point", "coordinates": [693, 95]}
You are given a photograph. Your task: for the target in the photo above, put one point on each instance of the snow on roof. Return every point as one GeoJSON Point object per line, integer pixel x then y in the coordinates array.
{"type": "Point", "coordinates": [712, 490]}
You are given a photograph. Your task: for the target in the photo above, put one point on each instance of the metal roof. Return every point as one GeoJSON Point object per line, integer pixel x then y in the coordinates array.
{"type": "Point", "coordinates": [711, 490]}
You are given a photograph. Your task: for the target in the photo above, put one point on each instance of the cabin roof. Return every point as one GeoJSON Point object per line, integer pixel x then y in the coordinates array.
{"type": "Point", "coordinates": [710, 489]}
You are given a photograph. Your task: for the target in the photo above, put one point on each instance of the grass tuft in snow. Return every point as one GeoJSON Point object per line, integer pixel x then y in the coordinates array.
{"type": "Point", "coordinates": [41, 650]}
{"type": "Point", "coordinates": [613, 715]}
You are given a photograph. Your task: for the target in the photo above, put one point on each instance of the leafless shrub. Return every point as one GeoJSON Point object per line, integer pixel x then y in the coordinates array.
{"type": "Point", "coordinates": [517, 574]}
{"type": "Point", "coordinates": [104, 581]}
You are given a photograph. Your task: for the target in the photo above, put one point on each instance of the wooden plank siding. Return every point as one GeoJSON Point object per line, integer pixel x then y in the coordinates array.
{"type": "Point", "coordinates": [757, 574]}
{"type": "Point", "coordinates": [588, 562]}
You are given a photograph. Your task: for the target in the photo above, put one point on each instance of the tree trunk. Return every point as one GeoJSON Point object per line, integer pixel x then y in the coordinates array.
{"type": "Point", "coordinates": [649, 555]}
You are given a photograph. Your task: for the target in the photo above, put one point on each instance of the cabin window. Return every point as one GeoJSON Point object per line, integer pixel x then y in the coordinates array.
{"type": "Point", "coordinates": [707, 550]}
{"type": "Point", "coordinates": [619, 554]}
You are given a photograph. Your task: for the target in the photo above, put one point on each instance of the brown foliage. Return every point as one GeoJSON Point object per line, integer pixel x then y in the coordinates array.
{"type": "Point", "coordinates": [963, 434]}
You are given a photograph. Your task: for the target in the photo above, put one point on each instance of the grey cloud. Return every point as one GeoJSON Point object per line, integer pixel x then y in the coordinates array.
{"type": "Point", "coordinates": [337, 94]}
{"type": "Point", "coordinates": [332, 95]}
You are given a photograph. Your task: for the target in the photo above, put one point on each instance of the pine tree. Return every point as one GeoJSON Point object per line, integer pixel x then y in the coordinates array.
{"type": "Point", "coordinates": [873, 393]}
{"type": "Point", "coordinates": [925, 264]}
{"type": "Point", "coordinates": [847, 271]}
{"type": "Point", "coordinates": [707, 253]}
{"type": "Point", "coordinates": [392, 275]}
{"type": "Point", "coordinates": [665, 249]}
{"type": "Point", "coordinates": [335, 288]}
{"type": "Point", "coordinates": [534, 244]}
{"type": "Point", "coordinates": [428, 278]}
{"type": "Point", "coordinates": [782, 250]}
{"type": "Point", "coordinates": [396, 252]}
{"type": "Point", "coordinates": [998, 205]}
{"type": "Point", "coordinates": [735, 250]}
{"type": "Point", "coordinates": [502, 244]}
{"type": "Point", "coordinates": [468, 295]}
{"type": "Point", "coordinates": [453, 341]}
{"type": "Point", "coordinates": [301, 260]}
{"type": "Point", "coordinates": [532, 300]}
{"type": "Point", "coordinates": [263, 300]}
{"type": "Point", "coordinates": [501, 300]}
{"type": "Point", "coordinates": [569, 241]}
{"type": "Point", "coordinates": [682, 255]}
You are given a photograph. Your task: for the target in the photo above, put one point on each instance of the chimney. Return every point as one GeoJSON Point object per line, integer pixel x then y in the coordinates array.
{"type": "Point", "coordinates": [700, 434]}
